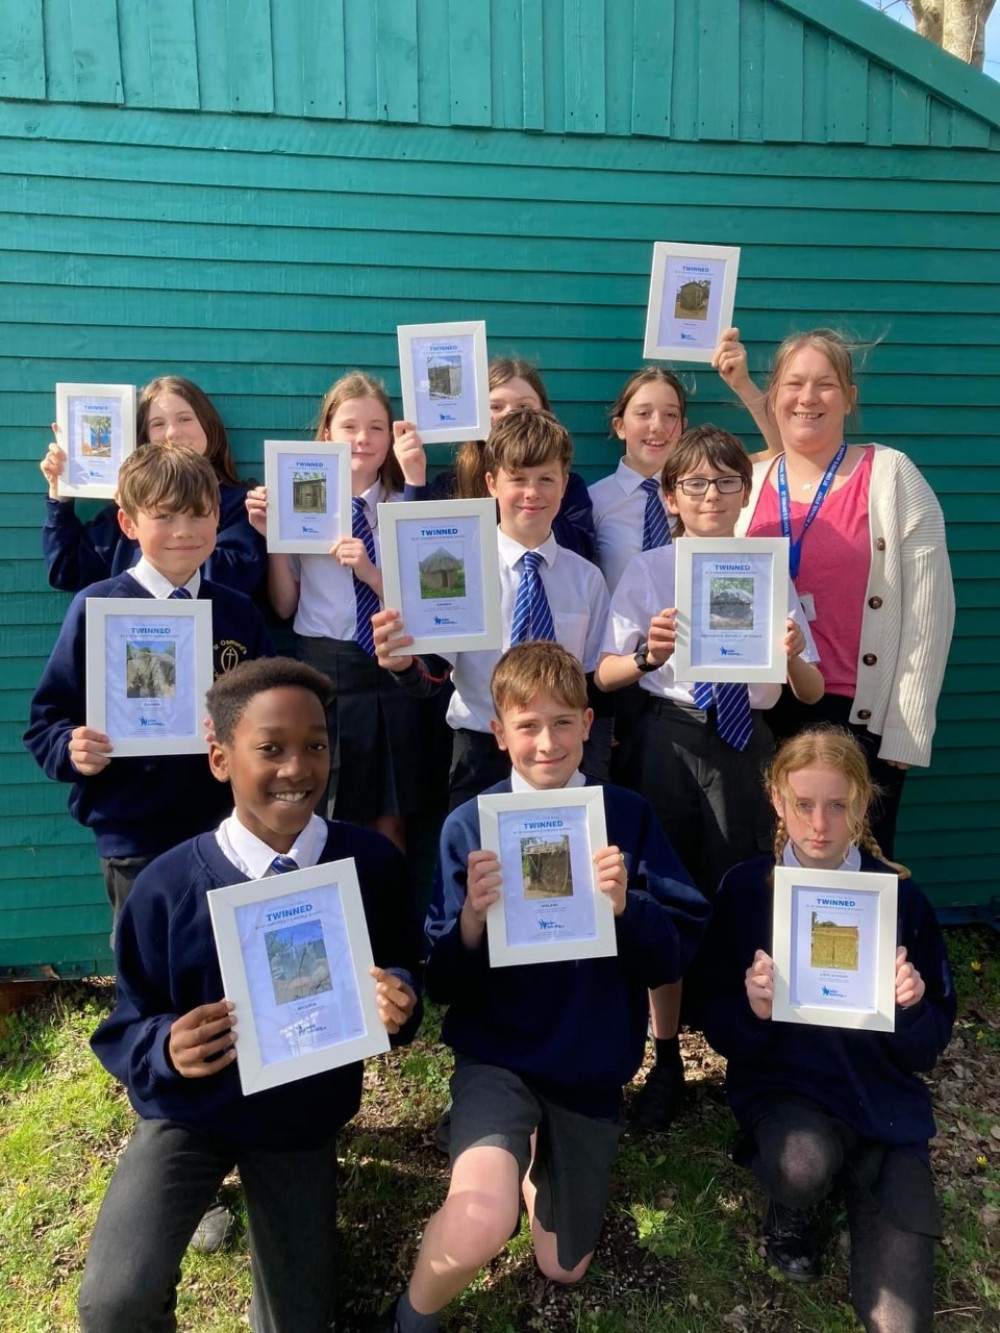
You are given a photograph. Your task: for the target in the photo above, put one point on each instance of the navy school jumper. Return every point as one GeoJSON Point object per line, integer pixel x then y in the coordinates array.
{"type": "Point", "coordinates": [167, 965]}
{"type": "Point", "coordinates": [575, 1030]}
{"type": "Point", "coordinates": [136, 806]}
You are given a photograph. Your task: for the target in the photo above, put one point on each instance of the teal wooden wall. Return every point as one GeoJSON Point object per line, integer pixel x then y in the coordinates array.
{"type": "Point", "coordinates": [171, 214]}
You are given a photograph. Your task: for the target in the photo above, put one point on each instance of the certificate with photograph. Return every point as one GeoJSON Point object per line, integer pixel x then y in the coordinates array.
{"type": "Point", "coordinates": [444, 378]}
{"type": "Point", "coordinates": [441, 571]}
{"type": "Point", "coordinates": [149, 667]}
{"type": "Point", "coordinates": [732, 604]}
{"type": "Point", "coordinates": [692, 291]}
{"type": "Point", "coordinates": [550, 909]}
{"type": "Point", "coordinates": [97, 431]}
{"type": "Point", "coordinates": [308, 495]}
{"type": "Point", "coordinates": [834, 948]}
{"type": "Point", "coordinates": [295, 954]}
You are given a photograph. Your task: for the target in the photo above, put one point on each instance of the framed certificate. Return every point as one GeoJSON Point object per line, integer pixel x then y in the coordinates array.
{"type": "Point", "coordinates": [692, 291]}
{"type": "Point", "coordinates": [444, 379]}
{"type": "Point", "coordinates": [550, 909]}
{"type": "Point", "coordinates": [149, 667]}
{"type": "Point", "coordinates": [294, 954]}
{"type": "Point", "coordinates": [97, 430]}
{"type": "Point", "coordinates": [732, 604]}
{"type": "Point", "coordinates": [834, 948]}
{"type": "Point", "coordinates": [308, 495]}
{"type": "Point", "coordinates": [440, 570]}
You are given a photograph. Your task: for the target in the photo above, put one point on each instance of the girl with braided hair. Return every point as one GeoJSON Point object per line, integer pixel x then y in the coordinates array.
{"type": "Point", "coordinates": [820, 1108]}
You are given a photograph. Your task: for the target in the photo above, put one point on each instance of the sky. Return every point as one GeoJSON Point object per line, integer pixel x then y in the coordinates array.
{"type": "Point", "coordinates": [897, 9]}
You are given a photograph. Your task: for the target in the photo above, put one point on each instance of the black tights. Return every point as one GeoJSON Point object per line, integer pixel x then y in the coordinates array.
{"type": "Point", "coordinates": [801, 1153]}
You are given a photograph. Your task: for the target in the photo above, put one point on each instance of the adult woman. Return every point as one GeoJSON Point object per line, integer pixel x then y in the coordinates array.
{"type": "Point", "coordinates": [869, 561]}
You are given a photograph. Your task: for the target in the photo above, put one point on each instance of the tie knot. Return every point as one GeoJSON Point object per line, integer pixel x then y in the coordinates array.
{"type": "Point", "coordinates": [181, 594]}
{"type": "Point", "coordinates": [281, 865]}
{"type": "Point", "coordinates": [357, 507]}
{"type": "Point", "coordinates": [651, 486]}
{"type": "Point", "coordinates": [532, 561]}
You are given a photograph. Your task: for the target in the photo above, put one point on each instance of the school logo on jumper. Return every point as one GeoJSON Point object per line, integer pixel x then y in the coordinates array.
{"type": "Point", "coordinates": [229, 654]}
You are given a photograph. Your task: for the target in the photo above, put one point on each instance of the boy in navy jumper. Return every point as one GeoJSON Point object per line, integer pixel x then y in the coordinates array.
{"type": "Point", "coordinates": [171, 1037]}
{"type": "Point", "coordinates": [527, 469]}
{"type": "Point", "coordinates": [541, 1052]}
{"type": "Point", "coordinates": [168, 499]}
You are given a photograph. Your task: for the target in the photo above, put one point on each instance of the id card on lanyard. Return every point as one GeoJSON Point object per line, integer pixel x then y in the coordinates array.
{"type": "Point", "coordinates": [785, 508]}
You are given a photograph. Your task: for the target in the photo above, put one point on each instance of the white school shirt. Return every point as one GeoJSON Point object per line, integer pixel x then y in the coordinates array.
{"type": "Point", "coordinates": [327, 609]}
{"type": "Point", "coordinates": [619, 514]}
{"type": "Point", "coordinates": [852, 861]}
{"type": "Point", "coordinates": [646, 587]}
{"type": "Point", "coordinates": [157, 584]}
{"type": "Point", "coordinates": [522, 785]}
{"type": "Point", "coordinates": [578, 599]}
{"type": "Point", "coordinates": [253, 857]}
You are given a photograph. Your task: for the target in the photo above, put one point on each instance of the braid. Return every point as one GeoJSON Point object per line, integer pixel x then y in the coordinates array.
{"type": "Point", "coordinates": [866, 841]}
{"type": "Point", "coordinates": [780, 840]}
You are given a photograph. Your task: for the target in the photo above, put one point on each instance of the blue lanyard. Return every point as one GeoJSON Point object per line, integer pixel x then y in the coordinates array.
{"type": "Point", "coordinates": [795, 547]}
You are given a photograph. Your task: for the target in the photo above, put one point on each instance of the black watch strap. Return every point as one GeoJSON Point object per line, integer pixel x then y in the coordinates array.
{"type": "Point", "coordinates": [641, 658]}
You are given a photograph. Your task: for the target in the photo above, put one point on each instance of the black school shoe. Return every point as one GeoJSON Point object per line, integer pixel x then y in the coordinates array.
{"type": "Point", "coordinates": [655, 1105]}
{"type": "Point", "coordinates": [789, 1243]}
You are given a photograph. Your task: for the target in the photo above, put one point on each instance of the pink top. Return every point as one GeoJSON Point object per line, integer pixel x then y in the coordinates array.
{"type": "Point", "coordinates": [836, 558]}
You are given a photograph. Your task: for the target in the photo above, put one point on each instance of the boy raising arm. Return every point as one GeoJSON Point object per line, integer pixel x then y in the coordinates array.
{"type": "Point", "coordinates": [171, 1037]}
{"type": "Point", "coordinates": [541, 1052]}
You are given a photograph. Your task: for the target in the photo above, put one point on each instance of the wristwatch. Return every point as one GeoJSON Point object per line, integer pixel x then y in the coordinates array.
{"type": "Point", "coordinates": [641, 658]}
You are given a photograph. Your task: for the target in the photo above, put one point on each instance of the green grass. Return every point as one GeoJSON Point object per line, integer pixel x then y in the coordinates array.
{"type": "Point", "coordinates": [680, 1249]}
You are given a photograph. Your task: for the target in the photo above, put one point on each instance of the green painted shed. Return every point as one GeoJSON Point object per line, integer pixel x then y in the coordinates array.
{"type": "Point", "coordinates": [254, 193]}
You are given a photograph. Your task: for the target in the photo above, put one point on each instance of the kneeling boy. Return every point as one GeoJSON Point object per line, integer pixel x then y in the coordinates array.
{"type": "Point", "coordinates": [541, 1052]}
{"type": "Point", "coordinates": [171, 1037]}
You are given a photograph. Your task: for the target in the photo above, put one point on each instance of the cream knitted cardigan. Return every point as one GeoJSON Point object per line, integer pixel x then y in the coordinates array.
{"type": "Point", "coordinates": [909, 607]}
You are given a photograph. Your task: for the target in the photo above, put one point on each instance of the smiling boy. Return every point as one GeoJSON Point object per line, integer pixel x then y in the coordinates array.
{"type": "Point", "coordinates": [546, 592]}
{"type": "Point", "coordinates": [541, 1051]}
{"type": "Point", "coordinates": [168, 500]}
{"type": "Point", "coordinates": [171, 1038]}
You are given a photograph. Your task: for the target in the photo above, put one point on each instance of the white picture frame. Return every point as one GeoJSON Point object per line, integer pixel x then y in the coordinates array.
{"type": "Point", "coordinates": [425, 542]}
{"type": "Point", "coordinates": [732, 604]}
{"type": "Point", "coordinates": [859, 923]}
{"type": "Point", "coordinates": [308, 495]}
{"type": "Point", "coordinates": [149, 667]}
{"type": "Point", "coordinates": [444, 380]}
{"type": "Point", "coordinates": [294, 1024]}
{"type": "Point", "coordinates": [692, 292]}
{"type": "Point", "coordinates": [562, 915]}
{"type": "Point", "coordinates": [97, 433]}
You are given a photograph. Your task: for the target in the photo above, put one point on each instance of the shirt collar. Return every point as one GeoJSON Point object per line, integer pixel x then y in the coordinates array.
{"type": "Point", "coordinates": [852, 861]}
{"type": "Point", "coordinates": [370, 499]}
{"type": "Point", "coordinates": [512, 551]}
{"type": "Point", "coordinates": [254, 857]}
{"type": "Point", "coordinates": [158, 584]}
{"type": "Point", "coordinates": [522, 785]}
{"type": "Point", "coordinates": [628, 479]}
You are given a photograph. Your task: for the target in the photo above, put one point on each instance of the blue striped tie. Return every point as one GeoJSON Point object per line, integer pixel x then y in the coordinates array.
{"type": "Point", "coordinates": [655, 528]}
{"type": "Point", "coordinates": [281, 865]}
{"type": "Point", "coordinates": [532, 616]}
{"type": "Point", "coordinates": [181, 594]}
{"type": "Point", "coordinates": [733, 719]}
{"type": "Point", "coordinates": [364, 597]}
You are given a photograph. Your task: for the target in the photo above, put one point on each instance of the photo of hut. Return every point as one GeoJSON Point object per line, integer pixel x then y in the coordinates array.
{"type": "Point", "coordinates": [442, 571]}
{"type": "Point", "coordinates": [444, 376]}
{"type": "Point", "coordinates": [297, 958]}
{"type": "Point", "coordinates": [309, 492]}
{"type": "Point", "coordinates": [691, 300]}
{"type": "Point", "coordinates": [545, 867]}
{"type": "Point", "coordinates": [834, 946]}
{"type": "Point", "coordinates": [150, 669]}
{"type": "Point", "coordinates": [730, 603]}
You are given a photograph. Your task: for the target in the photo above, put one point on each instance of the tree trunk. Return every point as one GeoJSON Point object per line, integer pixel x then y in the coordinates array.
{"type": "Point", "coordinates": [959, 26]}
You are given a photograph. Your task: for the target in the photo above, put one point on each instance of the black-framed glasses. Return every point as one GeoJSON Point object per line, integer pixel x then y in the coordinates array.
{"type": "Point", "coordinates": [698, 486]}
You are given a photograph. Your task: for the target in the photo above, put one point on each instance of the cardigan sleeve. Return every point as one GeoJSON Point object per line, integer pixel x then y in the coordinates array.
{"type": "Point", "coordinates": [927, 609]}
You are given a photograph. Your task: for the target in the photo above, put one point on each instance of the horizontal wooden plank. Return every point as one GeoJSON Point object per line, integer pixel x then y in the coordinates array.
{"type": "Point", "coordinates": [65, 955]}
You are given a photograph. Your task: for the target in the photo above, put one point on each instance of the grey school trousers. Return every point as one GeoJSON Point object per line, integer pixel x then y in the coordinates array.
{"type": "Point", "coordinates": [166, 1178]}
